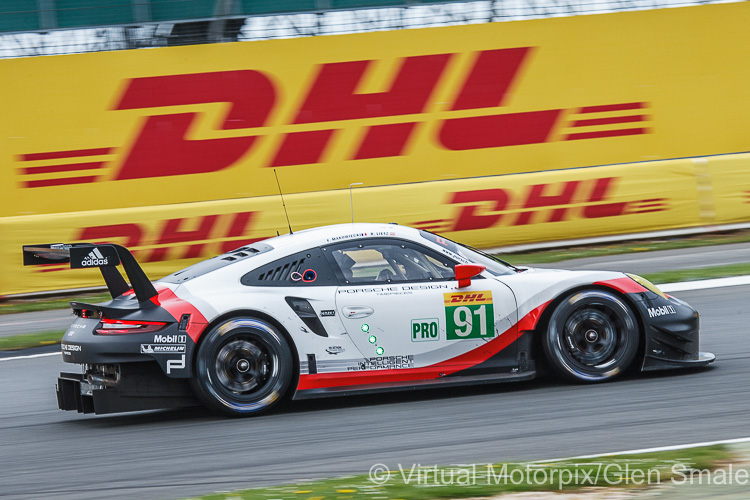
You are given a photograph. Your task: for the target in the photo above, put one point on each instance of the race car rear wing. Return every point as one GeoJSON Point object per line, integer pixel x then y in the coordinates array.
{"type": "Point", "coordinates": [106, 257]}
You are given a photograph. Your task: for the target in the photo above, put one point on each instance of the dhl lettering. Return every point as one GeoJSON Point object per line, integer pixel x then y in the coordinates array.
{"type": "Point", "coordinates": [161, 148]}
{"type": "Point", "coordinates": [188, 238]}
{"type": "Point", "coordinates": [451, 299]}
{"type": "Point", "coordinates": [477, 297]}
{"type": "Point", "coordinates": [333, 97]}
{"type": "Point", "coordinates": [484, 208]}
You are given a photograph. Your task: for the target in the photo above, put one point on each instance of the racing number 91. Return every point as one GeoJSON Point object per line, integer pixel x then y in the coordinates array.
{"type": "Point", "coordinates": [469, 315]}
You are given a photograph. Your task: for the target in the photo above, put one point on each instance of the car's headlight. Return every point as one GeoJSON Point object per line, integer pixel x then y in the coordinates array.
{"type": "Point", "coordinates": [647, 284]}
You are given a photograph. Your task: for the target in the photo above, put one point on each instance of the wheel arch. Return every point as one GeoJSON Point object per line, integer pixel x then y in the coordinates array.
{"type": "Point", "coordinates": [543, 322]}
{"type": "Point", "coordinates": [239, 313]}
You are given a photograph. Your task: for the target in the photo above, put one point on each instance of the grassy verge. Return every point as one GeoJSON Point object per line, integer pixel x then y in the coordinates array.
{"type": "Point", "coordinates": [32, 305]}
{"type": "Point", "coordinates": [699, 274]}
{"type": "Point", "coordinates": [25, 341]}
{"type": "Point", "coordinates": [638, 246]}
{"type": "Point", "coordinates": [408, 482]}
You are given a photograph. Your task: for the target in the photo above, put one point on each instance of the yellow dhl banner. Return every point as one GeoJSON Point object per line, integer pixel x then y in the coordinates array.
{"type": "Point", "coordinates": [484, 212]}
{"type": "Point", "coordinates": [210, 122]}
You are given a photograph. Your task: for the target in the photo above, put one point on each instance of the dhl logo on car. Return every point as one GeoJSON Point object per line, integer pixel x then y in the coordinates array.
{"type": "Point", "coordinates": [452, 299]}
{"type": "Point", "coordinates": [331, 103]}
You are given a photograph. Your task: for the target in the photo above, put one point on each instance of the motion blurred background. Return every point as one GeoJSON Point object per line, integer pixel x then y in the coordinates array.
{"type": "Point", "coordinates": [495, 123]}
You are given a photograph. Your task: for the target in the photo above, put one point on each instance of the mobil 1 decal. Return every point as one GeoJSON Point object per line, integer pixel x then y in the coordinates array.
{"type": "Point", "coordinates": [469, 315]}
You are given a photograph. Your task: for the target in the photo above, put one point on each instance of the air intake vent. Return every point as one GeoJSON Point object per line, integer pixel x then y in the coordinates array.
{"type": "Point", "coordinates": [306, 268]}
{"type": "Point", "coordinates": [240, 253]}
{"type": "Point", "coordinates": [306, 313]}
{"type": "Point", "coordinates": [282, 272]}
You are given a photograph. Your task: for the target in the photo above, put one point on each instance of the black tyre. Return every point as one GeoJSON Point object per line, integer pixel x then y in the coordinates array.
{"type": "Point", "coordinates": [243, 367]}
{"type": "Point", "coordinates": [591, 336]}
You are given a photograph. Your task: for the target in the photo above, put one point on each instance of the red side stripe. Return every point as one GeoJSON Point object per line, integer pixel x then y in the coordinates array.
{"type": "Point", "coordinates": [177, 307]}
{"type": "Point", "coordinates": [624, 285]}
{"type": "Point", "coordinates": [461, 362]}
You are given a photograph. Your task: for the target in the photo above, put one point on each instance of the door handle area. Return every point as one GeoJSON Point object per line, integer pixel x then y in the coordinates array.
{"type": "Point", "coordinates": [355, 312]}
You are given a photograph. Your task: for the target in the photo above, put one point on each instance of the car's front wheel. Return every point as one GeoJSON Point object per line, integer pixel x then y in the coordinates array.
{"type": "Point", "coordinates": [591, 336]}
{"type": "Point", "coordinates": [243, 367]}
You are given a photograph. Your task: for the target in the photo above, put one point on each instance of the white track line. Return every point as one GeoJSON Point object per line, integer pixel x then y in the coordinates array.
{"type": "Point", "coordinates": [651, 450]}
{"type": "Point", "coordinates": [43, 355]}
{"type": "Point", "coordinates": [705, 284]}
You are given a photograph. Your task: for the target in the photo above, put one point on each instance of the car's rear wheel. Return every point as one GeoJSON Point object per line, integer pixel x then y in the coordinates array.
{"type": "Point", "coordinates": [591, 336]}
{"type": "Point", "coordinates": [243, 367]}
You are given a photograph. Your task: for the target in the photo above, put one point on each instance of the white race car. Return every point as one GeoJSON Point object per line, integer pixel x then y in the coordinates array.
{"type": "Point", "coordinates": [351, 308]}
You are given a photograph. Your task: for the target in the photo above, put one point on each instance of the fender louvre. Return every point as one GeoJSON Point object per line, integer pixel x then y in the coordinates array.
{"type": "Point", "coordinates": [306, 313]}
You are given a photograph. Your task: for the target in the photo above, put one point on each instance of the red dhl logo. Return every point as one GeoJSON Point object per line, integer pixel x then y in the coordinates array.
{"type": "Point", "coordinates": [184, 238]}
{"type": "Point", "coordinates": [161, 149]}
{"type": "Point", "coordinates": [452, 299]}
{"type": "Point", "coordinates": [539, 203]}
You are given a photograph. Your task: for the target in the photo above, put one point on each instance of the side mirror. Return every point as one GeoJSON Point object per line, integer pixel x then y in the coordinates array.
{"type": "Point", "coordinates": [464, 273]}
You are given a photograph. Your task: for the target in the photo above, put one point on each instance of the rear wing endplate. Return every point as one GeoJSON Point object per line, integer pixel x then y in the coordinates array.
{"type": "Point", "coordinates": [106, 257]}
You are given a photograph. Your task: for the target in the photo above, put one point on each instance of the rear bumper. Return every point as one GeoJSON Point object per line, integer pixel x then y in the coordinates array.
{"type": "Point", "coordinates": [139, 386]}
{"type": "Point", "coordinates": [170, 348]}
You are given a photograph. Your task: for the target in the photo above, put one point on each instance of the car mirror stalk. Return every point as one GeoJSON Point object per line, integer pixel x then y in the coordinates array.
{"type": "Point", "coordinates": [464, 273]}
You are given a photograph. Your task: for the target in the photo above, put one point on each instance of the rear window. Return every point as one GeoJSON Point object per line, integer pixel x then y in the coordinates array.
{"type": "Point", "coordinates": [306, 268]}
{"type": "Point", "coordinates": [217, 262]}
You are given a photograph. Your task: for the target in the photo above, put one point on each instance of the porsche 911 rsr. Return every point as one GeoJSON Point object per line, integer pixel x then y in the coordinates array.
{"type": "Point", "coordinates": [351, 308]}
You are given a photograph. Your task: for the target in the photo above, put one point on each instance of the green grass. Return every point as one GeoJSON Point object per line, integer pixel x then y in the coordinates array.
{"type": "Point", "coordinates": [699, 274]}
{"type": "Point", "coordinates": [25, 341]}
{"type": "Point", "coordinates": [465, 481]}
{"type": "Point", "coordinates": [29, 305]}
{"type": "Point", "coordinates": [557, 255]}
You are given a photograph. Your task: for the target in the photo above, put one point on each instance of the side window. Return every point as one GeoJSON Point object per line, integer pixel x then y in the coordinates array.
{"type": "Point", "coordinates": [388, 261]}
{"type": "Point", "coordinates": [308, 268]}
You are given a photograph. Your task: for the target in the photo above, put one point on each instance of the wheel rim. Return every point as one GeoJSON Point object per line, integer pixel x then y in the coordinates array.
{"type": "Point", "coordinates": [243, 366]}
{"type": "Point", "coordinates": [590, 336]}
{"type": "Point", "coordinates": [594, 335]}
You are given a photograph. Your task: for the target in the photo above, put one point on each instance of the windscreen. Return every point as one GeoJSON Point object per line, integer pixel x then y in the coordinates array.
{"type": "Point", "coordinates": [494, 265]}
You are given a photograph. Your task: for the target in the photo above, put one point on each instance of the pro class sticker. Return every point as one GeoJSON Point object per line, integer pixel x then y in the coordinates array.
{"type": "Point", "coordinates": [425, 329]}
{"type": "Point", "coordinates": [469, 315]}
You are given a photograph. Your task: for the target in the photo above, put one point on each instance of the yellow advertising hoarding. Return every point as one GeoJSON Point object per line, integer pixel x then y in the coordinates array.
{"type": "Point", "coordinates": [487, 211]}
{"type": "Point", "coordinates": [137, 128]}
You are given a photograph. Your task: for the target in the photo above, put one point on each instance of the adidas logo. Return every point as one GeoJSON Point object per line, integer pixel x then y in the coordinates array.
{"type": "Point", "coordinates": [95, 258]}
